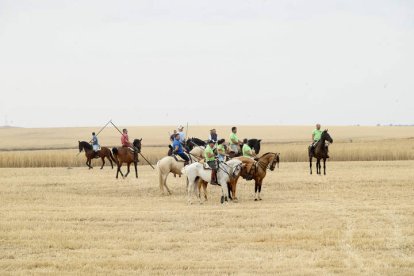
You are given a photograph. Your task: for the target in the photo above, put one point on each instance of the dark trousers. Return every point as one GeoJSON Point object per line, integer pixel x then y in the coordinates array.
{"type": "Point", "coordinates": [184, 156]}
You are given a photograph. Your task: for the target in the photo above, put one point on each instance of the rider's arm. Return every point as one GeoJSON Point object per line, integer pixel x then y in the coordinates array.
{"type": "Point", "coordinates": [313, 136]}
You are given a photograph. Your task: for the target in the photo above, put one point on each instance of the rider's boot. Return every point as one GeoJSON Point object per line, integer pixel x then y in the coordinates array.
{"type": "Point", "coordinates": [214, 177]}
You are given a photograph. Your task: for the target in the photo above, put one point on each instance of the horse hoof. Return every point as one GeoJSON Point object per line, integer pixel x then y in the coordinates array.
{"type": "Point", "coordinates": [222, 199]}
{"type": "Point", "coordinates": [260, 199]}
{"type": "Point", "coordinates": [255, 199]}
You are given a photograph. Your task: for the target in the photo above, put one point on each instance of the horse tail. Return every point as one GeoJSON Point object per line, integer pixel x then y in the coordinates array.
{"type": "Point", "coordinates": [112, 156]}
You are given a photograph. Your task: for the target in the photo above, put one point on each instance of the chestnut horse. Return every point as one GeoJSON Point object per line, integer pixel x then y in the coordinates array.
{"type": "Point", "coordinates": [126, 155]}
{"type": "Point", "coordinates": [320, 152]}
{"type": "Point", "coordinates": [256, 170]}
{"type": "Point", "coordinates": [90, 154]}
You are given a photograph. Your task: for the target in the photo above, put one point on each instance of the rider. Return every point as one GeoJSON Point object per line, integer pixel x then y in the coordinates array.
{"type": "Point", "coordinates": [172, 137]}
{"type": "Point", "coordinates": [316, 136]}
{"type": "Point", "coordinates": [178, 149]}
{"type": "Point", "coordinates": [211, 160]}
{"type": "Point", "coordinates": [95, 144]}
{"type": "Point", "coordinates": [221, 150]}
{"type": "Point", "coordinates": [182, 134]}
{"type": "Point", "coordinates": [249, 153]}
{"type": "Point", "coordinates": [126, 143]}
{"type": "Point", "coordinates": [234, 141]}
{"type": "Point", "coordinates": [213, 135]}
{"type": "Point", "coordinates": [247, 150]}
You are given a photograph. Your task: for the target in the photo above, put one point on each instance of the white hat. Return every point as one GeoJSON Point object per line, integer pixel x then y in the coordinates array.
{"type": "Point", "coordinates": [180, 127]}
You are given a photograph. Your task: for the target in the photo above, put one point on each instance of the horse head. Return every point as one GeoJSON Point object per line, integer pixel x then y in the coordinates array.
{"type": "Point", "coordinates": [235, 171]}
{"type": "Point", "coordinates": [275, 162]}
{"type": "Point", "coordinates": [326, 137]}
{"type": "Point", "coordinates": [83, 145]}
{"type": "Point", "coordinates": [137, 144]}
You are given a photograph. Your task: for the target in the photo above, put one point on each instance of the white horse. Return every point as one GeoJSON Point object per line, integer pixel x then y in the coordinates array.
{"type": "Point", "coordinates": [168, 165]}
{"type": "Point", "coordinates": [226, 172]}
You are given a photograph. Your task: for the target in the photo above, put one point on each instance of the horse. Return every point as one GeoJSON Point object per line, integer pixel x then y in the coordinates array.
{"type": "Point", "coordinates": [194, 142]}
{"type": "Point", "coordinates": [253, 144]}
{"type": "Point", "coordinates": [125, 154]}
{"type": "Point", "coordinates": [227, 172]}
{"type": "Point", "coordinates": [90, 154]}
{"type": "Point", "coordinates": [169, 164]}
{"type": "Point", "coordinates": [256, 170]}
{"type": "Point", "coordinates": [320, 152]}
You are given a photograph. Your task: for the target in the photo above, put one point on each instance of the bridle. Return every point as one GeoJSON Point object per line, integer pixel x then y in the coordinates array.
{"type": "Point", "coordinates": [271, 166]}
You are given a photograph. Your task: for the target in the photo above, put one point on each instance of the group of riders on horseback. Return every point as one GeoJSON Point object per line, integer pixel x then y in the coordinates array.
{"type": "Point", "coordinates": [124, 142]}
{"type": "Point", "coordinates": [216, 150]}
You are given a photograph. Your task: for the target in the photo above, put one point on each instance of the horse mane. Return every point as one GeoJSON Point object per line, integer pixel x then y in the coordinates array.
{"type": "Point", "coordinates": [85, 145]}
{"type": "Point", "coordinates": [267, 153]}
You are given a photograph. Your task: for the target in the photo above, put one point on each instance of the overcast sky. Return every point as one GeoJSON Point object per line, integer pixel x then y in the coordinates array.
{"type": "Point", "coordinates": [81, 63]}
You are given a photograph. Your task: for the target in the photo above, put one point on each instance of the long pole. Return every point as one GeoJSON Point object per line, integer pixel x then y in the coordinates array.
{"type": "Point", "coordinates": [110, 121]}
{"type": "Point", "coordinates": [139, 152]}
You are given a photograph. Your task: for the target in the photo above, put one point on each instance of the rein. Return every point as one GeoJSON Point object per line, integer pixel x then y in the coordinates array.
{"type": "Point", "coordinates": [262, 164]}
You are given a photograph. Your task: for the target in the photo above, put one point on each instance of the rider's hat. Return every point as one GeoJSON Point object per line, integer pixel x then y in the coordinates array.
{"type": "Point", "coordinates": [211, 141]}
{"type": "Point", "coordinates": [180, 127]}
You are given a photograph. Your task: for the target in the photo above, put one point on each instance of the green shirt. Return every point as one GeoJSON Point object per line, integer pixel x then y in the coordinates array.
{"type": "Point", "coordinates": [233, 136]}
{"type": "Point", "coordinates": [221, 148]}
{"type": "Point", "coordinates": [207, 151]}
{"type": "Point", "coordinates": [317, 135]}
{"type": "Point", "coordinates": [246, 150]}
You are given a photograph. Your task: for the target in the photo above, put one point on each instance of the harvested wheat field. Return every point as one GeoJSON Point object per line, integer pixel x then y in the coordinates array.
{"type": "Point", "coordinates": [356, 220]}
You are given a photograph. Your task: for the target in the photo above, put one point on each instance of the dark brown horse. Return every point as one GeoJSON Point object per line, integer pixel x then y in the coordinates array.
{"type": "Point", "coordinates": [320, 151]}
{"type": "Point", "coordinates": [126, 155]}
{"type": "Point", "coordinates": [90, 154]}
{"type": "Point", "coordinates": [256, 170]}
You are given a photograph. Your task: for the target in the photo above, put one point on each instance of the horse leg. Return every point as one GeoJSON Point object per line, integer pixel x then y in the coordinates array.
{"type": "Point", "coordinates": [136, 169]}
{"type": "Point", "coordinates": [256, 189]}
{"type": "Point", "coordinates": [128, 165]}
{"type": "Point", "coordinates": [110, 161]}
{"type": "Point", "coordinates": [118, 169]}
{"type": "Point", "coordinates": [324, 166]}
{"type": "Point", "coordinates": [318, 165]}
{"type": "Point", "coordinates": [103, 162]}
{"type": "Point", "coordinates": [89, 162]}
{"type": "Point", "coordinates": [190, 190]}
{"type": "Point", "coordinates": [119, 164]}
{"type": "Point", "coordinates": [224, 192]}
{"type": "Point", "coordinates": [260, 189]}
{"type": "Point", "coordinates": [310, 164]}
{"type": "Point", "coordinates": [230, 189]}
{"type": "Point", "coordinates": [165, 184]}
{"type": "Point", "coordinates": [205, 190]}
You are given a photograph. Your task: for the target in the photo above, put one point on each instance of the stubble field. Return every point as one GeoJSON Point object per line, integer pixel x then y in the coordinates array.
{"type": "Point", "coordinates": [356, 220]}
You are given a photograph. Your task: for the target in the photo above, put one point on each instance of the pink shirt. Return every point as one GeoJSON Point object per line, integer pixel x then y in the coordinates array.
{"type": "Point", "coordinates": [125, 140]}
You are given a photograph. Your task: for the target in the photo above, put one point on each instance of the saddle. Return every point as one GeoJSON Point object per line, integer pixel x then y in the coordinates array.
{"type": "Point", "coordinates": [177, 158]}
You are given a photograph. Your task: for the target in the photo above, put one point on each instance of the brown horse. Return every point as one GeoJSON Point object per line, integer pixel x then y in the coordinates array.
{"type": "Point", "coordinates": [126, 155]}
{"type": "Point", "coordinates": [90, 154]}
{"type": "Point", "coordinates": [256, 170]}
{"type": "Point", "coordinates": [320, 152]}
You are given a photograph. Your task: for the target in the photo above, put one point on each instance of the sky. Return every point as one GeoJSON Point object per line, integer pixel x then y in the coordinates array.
{"type": "Point", "coordinates": [81, 63]}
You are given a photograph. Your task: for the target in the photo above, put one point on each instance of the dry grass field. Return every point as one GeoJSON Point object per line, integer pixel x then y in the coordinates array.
{"type": "Point", "coordinates": [57, 147]}
{"type": "Point", "coordinates": [356, 220]}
